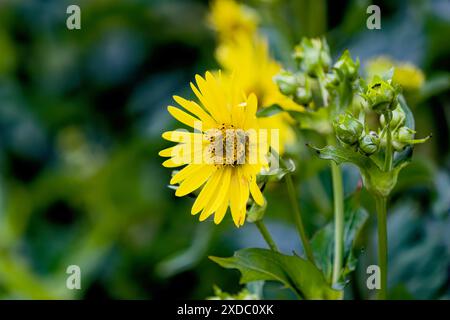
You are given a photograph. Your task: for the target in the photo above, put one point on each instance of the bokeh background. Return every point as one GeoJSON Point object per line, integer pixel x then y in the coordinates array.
{"type": "Point", "coordinates": [81, 117]}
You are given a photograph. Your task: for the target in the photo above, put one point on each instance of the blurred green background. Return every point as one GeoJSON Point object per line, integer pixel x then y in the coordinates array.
{"type": "Point", "coordinates": [81, 117]}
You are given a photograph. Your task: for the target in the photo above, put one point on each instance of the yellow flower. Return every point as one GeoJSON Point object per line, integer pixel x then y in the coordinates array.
{"type": "Point", "coordinates": [408, 76]}
{"type": "Point", "coordinates": [249, 59]}
{"type": "Point", "coordinates": [222, 154]}
{"type": "Point", "coordinates": [230, 18]}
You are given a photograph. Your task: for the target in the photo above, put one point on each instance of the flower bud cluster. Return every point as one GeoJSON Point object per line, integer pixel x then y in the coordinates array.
{"type": "Point", "coordinates": [312, 54]}
{"type": "Point", "coordinates": [350, 132]}
{"type": "Point", "coordinates": [295, 86]}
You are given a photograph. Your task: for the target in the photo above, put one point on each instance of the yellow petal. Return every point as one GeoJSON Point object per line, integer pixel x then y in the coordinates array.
{"type": "Point", "coordinates": [244, 199]}
{"type": "Point", "coordinates": [219, 196]}
{"type": "Point", "coordinates": [196, 110]}
{"type": "Point", "coordinates": [220, 213]}
{"type": "Point", "coordinates": [235, 196]}
{"type": "Point", "coordinates": [207, 192]}
{"type": "Point", "coordinates": [201, 98]}
{"type": "Point", "coordinates": [183, 117]}
{"type": "Point", "coordinates": [190, 169]}
{"type": "Point", "coordinates": [181, 136]}
{"type": "Point", "coordinates": [256, 193]}
{"type": "Point", "coordinates": [170, 152]}
{"type": "Point", "coordinates": [212, 104]}
{"type": "Point", "coordinates": [194, 182]}
{"type": "Point", "coordinates": [173, 163]}
{"type": "Point", "coordinates": [217, 95]}
{"type": "Point", "coordinates": [252, 105]}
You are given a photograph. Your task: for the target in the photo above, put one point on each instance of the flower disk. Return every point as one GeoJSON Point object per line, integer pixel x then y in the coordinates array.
{"type": "Point", "coordinates": [224, 154]}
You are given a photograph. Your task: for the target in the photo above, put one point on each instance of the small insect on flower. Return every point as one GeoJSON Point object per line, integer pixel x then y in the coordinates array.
{"type": "Point", "coordinates": [224, 154]}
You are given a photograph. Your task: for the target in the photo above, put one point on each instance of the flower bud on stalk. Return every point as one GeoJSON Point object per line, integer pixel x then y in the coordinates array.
{"type": "Point", "coordinates": [303, 95]}
{"type": "Point", "coordinates": [381, 96]}
{"type": "Point", "coordinates": [397, 119]}
{"type": "Point", "coordinates": [312, 54]}
{"type": "Point", "coordinates": [345, 68]}
{"type": "Point", "coordinates": [402, 137]}
{"type": "Point", "coordinates": [286, 82]}
{"type": "Point", "coordinates": [369, 143]}
{"type": "Point", "coordinates": [347, 128]}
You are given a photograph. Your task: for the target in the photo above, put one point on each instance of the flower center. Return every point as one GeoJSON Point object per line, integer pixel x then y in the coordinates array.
{"type": "Point", "coordinates": [227, 145]}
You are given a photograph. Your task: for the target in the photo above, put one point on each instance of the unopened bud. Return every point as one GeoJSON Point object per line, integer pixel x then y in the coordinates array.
{"type": "Point", "coordinates": [346, 68]}
{"type": "Point", "coordinates": [303, 95]}
{"type": "Point", "coordinates": [312, 54]}
{"type": "Point", "coordinates": [381, 96]}
{"type": "Point", "coordinates": [286, 82]}
{"type": "Point", "coordinates": [369, 143]}
{"type": "Point", "coordinates": [402, 137]}
{"type": "Point", "coordinates": [347, 128]}
{"type": "Point", "coordinates": [397, 119]}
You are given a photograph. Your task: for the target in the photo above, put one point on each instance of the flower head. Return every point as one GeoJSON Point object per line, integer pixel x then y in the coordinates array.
{"type": "Point", "coordinates": [224, 154]}
{"type": "Point", "coordinates": [230, 18]}
{"type": "Point", "coordinates": [249, 60]}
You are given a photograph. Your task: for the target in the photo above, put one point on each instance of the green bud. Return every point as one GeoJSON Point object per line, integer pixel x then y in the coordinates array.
{"type": "Point", "coordinates": [402, 137]}
{"type": "Point", "coordinates": [381, 95]}
{"type": "Point", "coordinates": [397, 119]}
{"type": "Point", "coordinates": [369, 143]}
{"type": "Point", "coordinates": [286, 82]}
{"type": "Point", "coordinates": [346, 68]}
{"type": "Point", "coordinates": [311, 54]}
{"type": "Point", "coordinates": [332, 80]}
{"type": "Point", "coordinates": [303, 95]}
{"type": "Point", "coordinates": [347, 128]}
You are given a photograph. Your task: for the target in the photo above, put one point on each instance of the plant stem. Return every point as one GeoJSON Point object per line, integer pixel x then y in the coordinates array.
{"type": "Point", "coordinates": [338, 192]}
{"type": "Point", "coordinates": [381, 203]}
{"type": "Point", "coordinates": [338, 195]}
{"type": "Point", "coordinates": [266, 235]}
{"type": "Point", "coordinates": [298, 218]}
{"type": "Point", "coordinates": [388, 155]}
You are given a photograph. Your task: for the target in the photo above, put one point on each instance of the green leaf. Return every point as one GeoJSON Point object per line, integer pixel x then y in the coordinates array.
{"type": "Point", "coordinates": [294, 272]}
{"type": "Point", "coordinates": [409, 117]}
{"type": "Point", "coordinates": [269, 111]}
{"type": "Point", "coordinates": [375, 180]}
{"type": "Point", "coordinates": [342, 155]}
{"type": "Point", "coordinates": [323, 241]}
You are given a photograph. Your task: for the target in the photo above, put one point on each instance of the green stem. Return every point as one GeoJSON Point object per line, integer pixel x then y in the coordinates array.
{"type": "Point", "coordinates": [266, 235]}
{"type": "Point", "coordinates": [338, 195]}
{"type": "Point", "coordinates": [381, 204]}
{"type": "Point", "coordinates": [388, 154]}
{"type": "Point", "coordinates": [298, 218]}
